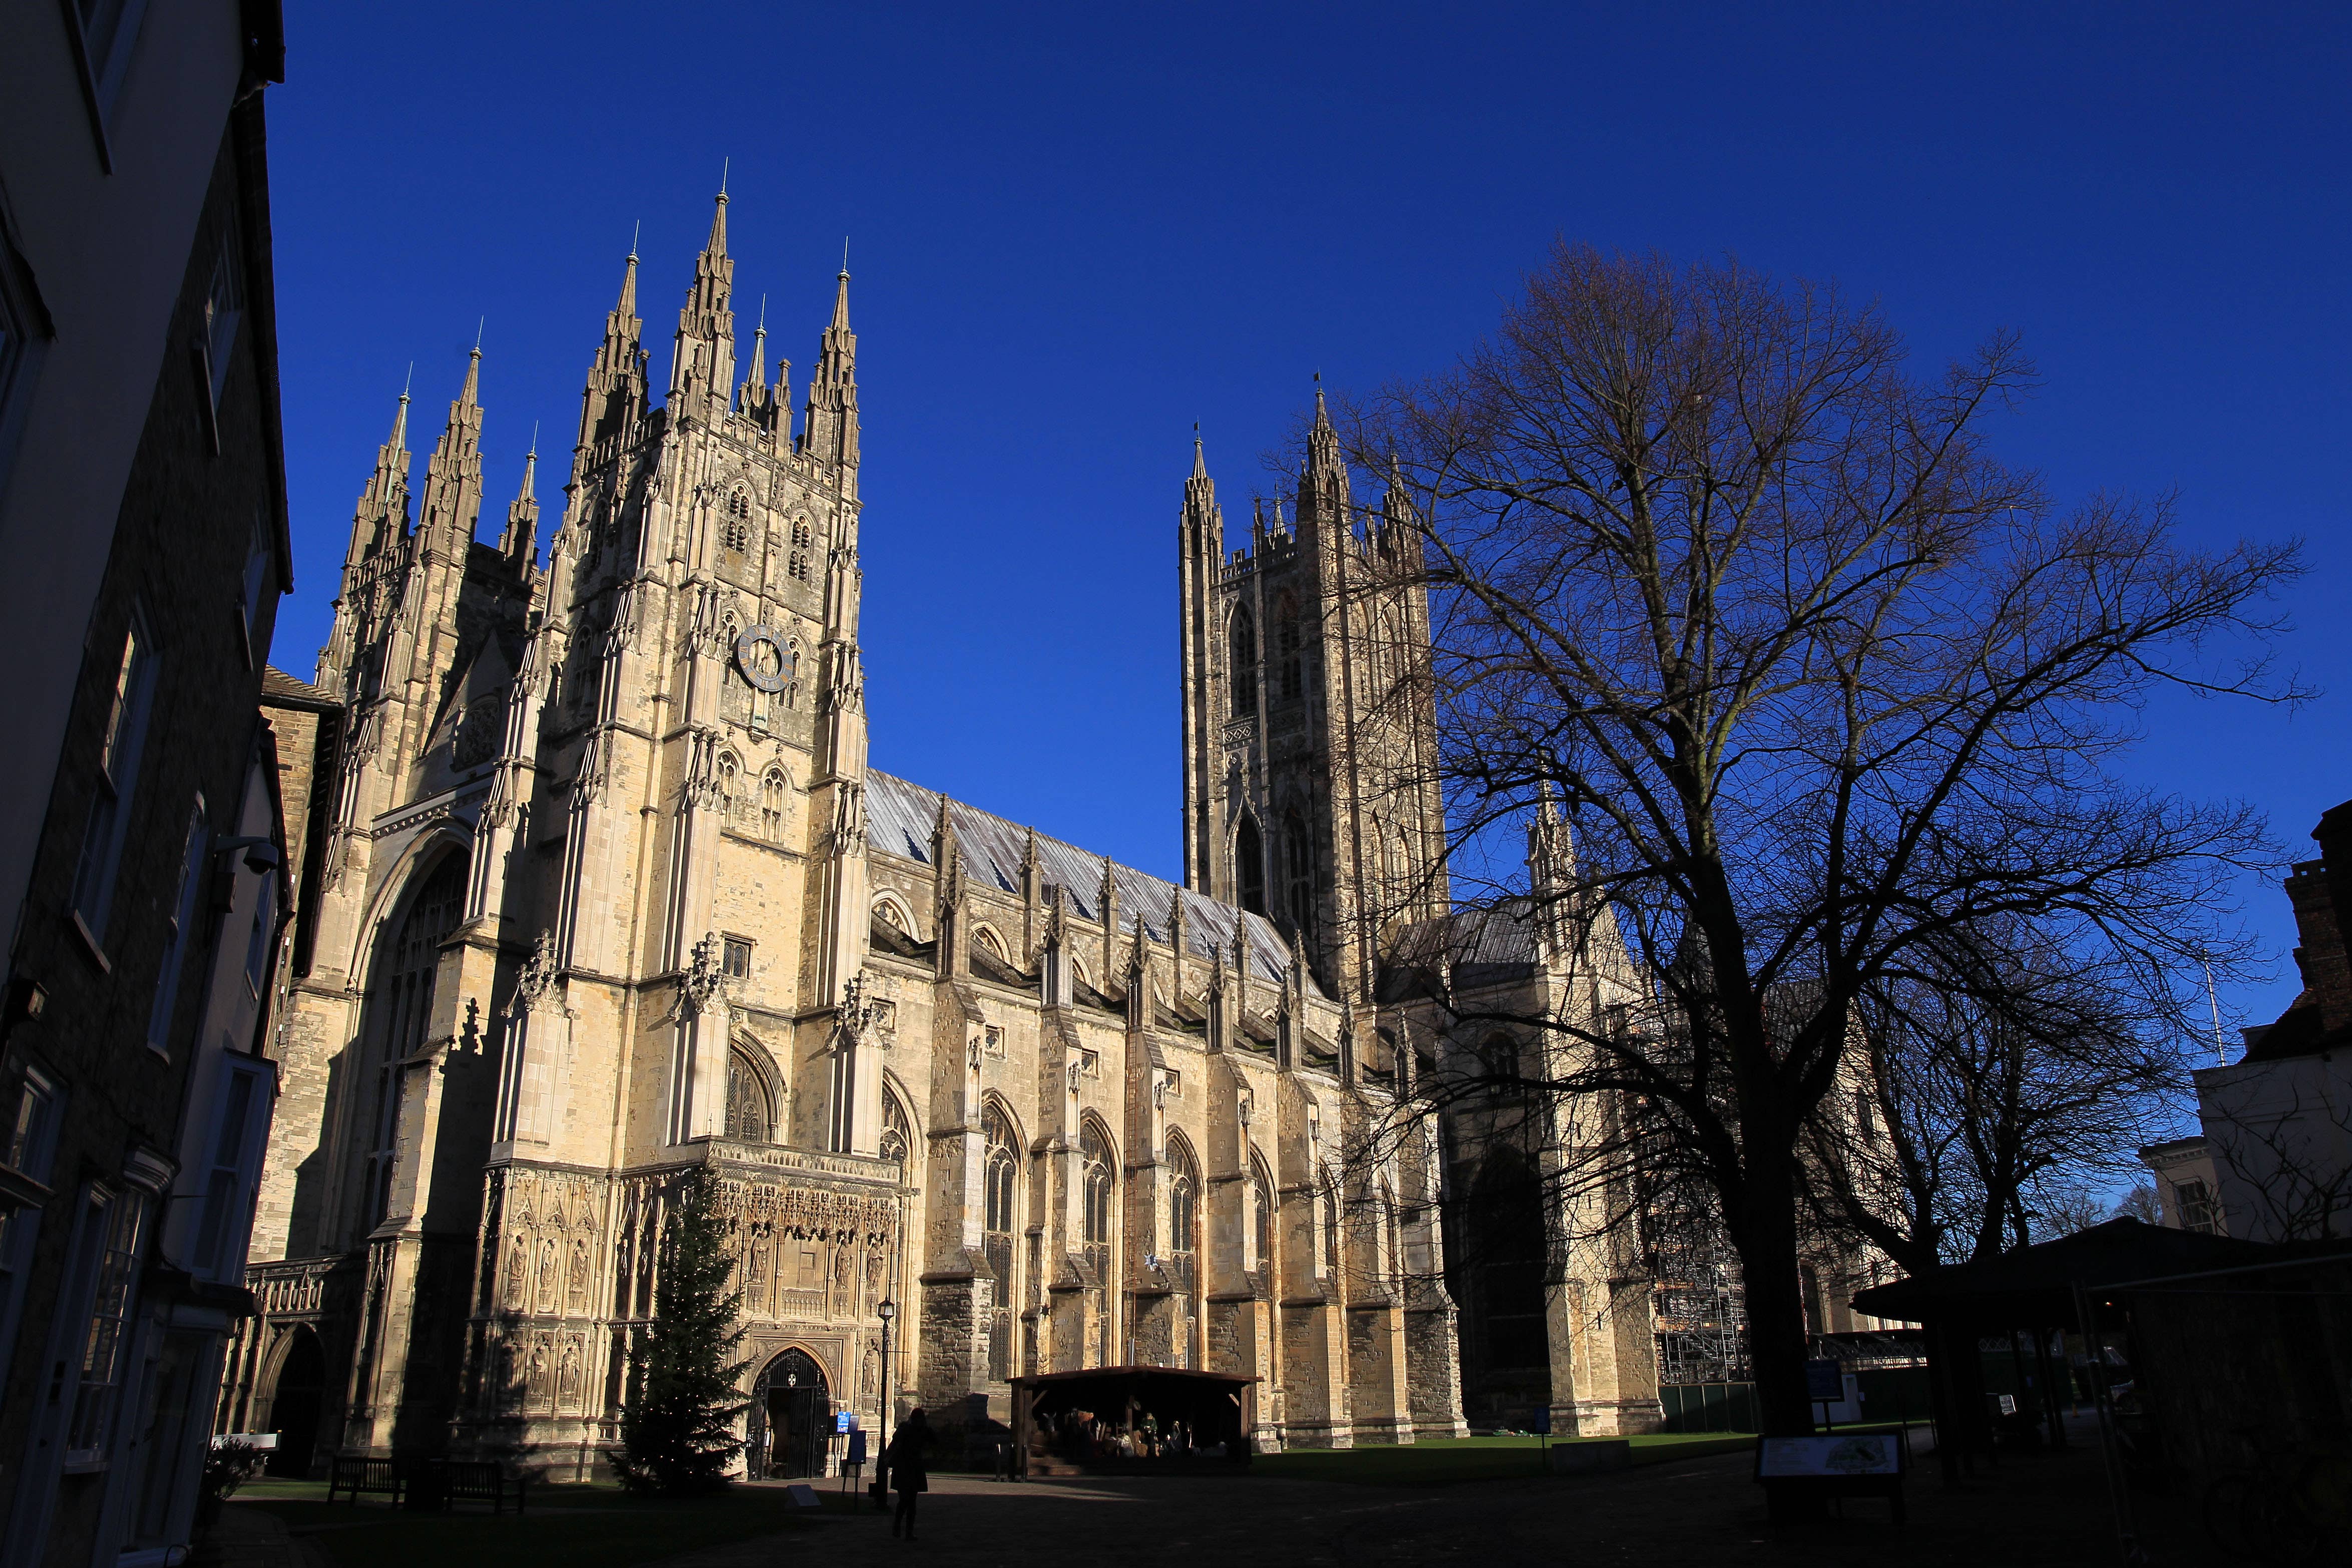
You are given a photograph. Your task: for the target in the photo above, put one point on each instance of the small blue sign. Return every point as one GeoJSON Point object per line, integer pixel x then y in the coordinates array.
{"type": "Point", "coordinates": [857, 1447]}
{"type": "Point", "coordinates": [1543, 1421]}
{"type": "Point", "coordinates": [844, 1421]}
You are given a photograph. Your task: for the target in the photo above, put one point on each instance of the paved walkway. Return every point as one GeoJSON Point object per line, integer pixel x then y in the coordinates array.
{"type": "Point", "coordinates": [2047, 1510]}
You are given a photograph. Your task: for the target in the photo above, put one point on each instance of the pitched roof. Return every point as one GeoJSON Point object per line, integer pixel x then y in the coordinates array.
{"type": "Point", "coordinates": [899, 818]}
{"type": "Point", "coordinates": [277, 685]}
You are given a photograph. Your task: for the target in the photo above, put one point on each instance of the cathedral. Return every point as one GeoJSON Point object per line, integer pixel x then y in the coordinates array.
{"type": "Point", "coordinates": [599, 890]}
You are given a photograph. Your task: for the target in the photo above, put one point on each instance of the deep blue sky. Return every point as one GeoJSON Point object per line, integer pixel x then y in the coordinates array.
{"type": "Point", "coordinates": [1077, 230]}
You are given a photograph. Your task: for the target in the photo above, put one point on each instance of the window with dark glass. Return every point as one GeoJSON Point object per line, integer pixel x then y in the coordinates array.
{"type": "Point", "coordinates": [1240, 666]}
{"type": "Point", "coordinates": [999, 1180]}
{"type": "Point", "coordinates": [735, 958]}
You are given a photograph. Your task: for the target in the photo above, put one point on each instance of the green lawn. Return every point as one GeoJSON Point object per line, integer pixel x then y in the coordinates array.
{"type": "Point", "coordinates": [1468, 1458]}
{"type": "Point", "coordinates": [578, 1526]}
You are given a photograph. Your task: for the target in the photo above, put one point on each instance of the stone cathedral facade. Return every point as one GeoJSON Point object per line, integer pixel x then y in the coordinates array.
{"type": "Point", "coordinates": [601, 891]}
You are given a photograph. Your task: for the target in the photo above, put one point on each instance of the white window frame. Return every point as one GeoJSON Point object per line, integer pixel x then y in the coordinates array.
{"type": "Point", "coordinates": [104, 62]}
{"type": "Point", "coordinates": [234, 1146]}
{"type": "Point", "coordinates": [122, 751]}
{"type": "Point", "coordinates": [184, 909]}
{"type": "Point", "coordinates": [26, 332]}
{"type": "Point", "coordinates": [32, 1150]}
{"type": "Point", "coordinates": [260, 557]}
{"type": "Point", "coordinates": [109, 1318]}
{"type": "Point", "coordinates": [224, 317]}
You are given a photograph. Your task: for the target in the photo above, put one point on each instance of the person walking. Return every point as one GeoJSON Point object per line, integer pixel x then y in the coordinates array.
{"type": "Point", "coordinates": [904, 1461]}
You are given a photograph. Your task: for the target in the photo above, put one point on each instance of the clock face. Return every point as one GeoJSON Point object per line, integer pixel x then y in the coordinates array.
{"type": "Point", "coordinates": [760, 655]}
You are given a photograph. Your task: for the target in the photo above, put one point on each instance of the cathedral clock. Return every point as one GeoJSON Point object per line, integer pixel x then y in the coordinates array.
{"type": "Point", "coordinates": [759, 653]}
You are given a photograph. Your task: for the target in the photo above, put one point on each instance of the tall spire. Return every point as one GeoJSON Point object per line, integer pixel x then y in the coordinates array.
{"type": "Point", "coordinates": [614, 398]}
{"type": "Point", "coordinates": [453, 476]}
{"type": "Point", "coordinates": [520, 544]}
{"type": "Point", "coordinates": [382, 514]}
{"type": "Point", "coordinates": [830, 433]}
{"type": "Point", "coordinates": [1203, 521]}
{"type": "Point", "coordinates": [703, 364]}
{"type": "Point", "coordinates": [1323, 485]}
{"type": "Point", "coordinates": [755, 399]}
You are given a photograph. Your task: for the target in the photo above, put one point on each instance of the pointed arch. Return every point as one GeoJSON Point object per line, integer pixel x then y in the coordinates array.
{"type": "Point", "coordinates": [1183, 1266]}
{"type": "Point", "coordinates": [398, 1008]}
{"type": "Point", "coordinates": [1001, 1160]}
{"type": "Point", "coordinates": [1249, 865]}
{"type": "Point", "coordinates": [1264, 1231]}
{"type": "Point", "coordinates": [754, 1091]}
{"type": "Point", "coordinates": [1099, 1201]}
{"type": "Point", "coordinates": [897, 1140]}
{"type": "Point", "coordinates": [776, 790]}
{"type": "Point", "coordinates": [1287, 643]}
{"type": "Point", "coordinates": [1298, 871]}
{"type": "Point", "coordinates": [1240, 661]}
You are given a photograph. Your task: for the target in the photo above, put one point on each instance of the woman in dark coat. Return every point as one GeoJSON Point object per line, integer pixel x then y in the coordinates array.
{"type": "Point", "coordinates": [904, 1458]}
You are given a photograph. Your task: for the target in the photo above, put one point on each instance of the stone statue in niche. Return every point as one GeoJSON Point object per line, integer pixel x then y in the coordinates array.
{"type": "Point", "coordinates": [567, 1377]}
{"type": "Point", "coordinates": [518, 1274]}
{"type": "Point", "coordinates": [535, 1388]}
{"type": "Point", "coordinates": [548, 1265]}
{"type": "Point", "coordinates": [576, 1287]}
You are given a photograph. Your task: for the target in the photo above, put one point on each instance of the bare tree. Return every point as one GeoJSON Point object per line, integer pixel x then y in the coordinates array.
{"type": "Point", "coordinates": [1820, 685]}
{"type": "Point", "coordinates": [1985, 1079]}
{"type": "Point", "coordinates": [2285, 1142]}
{"type": "Point", "coordinates": [2140, 1203]}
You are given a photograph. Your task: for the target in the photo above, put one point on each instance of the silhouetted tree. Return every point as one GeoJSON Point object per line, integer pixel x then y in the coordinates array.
{"type": "Point", "coordinates": [1820, 683]}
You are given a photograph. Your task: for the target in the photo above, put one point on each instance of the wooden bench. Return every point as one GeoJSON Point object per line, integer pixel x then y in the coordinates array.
{"type": "Point", "coordinates": [374, 1478]}
{"type": "Point", "coordinates": [1837, 1464]}
{"type": "Point", "coordinates": [480, 1480]}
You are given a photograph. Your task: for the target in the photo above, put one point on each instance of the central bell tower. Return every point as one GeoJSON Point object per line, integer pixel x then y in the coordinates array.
{"type": "Point", "coordinates": [1310, 786]}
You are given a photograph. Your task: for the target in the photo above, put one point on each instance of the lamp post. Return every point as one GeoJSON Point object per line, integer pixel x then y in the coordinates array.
{"type": "Point", "coordinates": [886, 1312]}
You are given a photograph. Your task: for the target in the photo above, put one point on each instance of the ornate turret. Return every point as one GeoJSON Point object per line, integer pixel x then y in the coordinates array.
{"type": "Point", "coordinates": [614, 398]}
{"type": "Point", "coordinates": [755, 400]}
{"type": "Point", "coordinates": [703, 364]}
{"type": "Point", "coordinates": [379, 522]}
{"type": "Point", "coordinates": [1323, 485]}
{"type": "Point", "coordinates": [830, 435]}
{"type": "Point", "coordinates": [520, 543]}
{"type": "Point", "coordinates": [452, 476]}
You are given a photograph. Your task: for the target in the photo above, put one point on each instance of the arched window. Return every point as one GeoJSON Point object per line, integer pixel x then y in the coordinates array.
{"type": "Point", "coordinates": [1505, 1268]}
{"type": "Point", "coordinates": [750, 1112]}
{"type": "Point", "coordinates": [737, 527]}
{"type": "Point", "coordinates": [1099, 1187]}
{"type": "Point", "coordinates": [896, 1141]}
{"type": "Point", "coordinates": [730, 783]}
{"type": "Point", "coordinates": [1262, 1218]}
{"type": "Point", "coordinates": [772, 806]}
{"type": "Point", "coordinates": [1240, 666]}
{"type": "Point", "coordinates": [401, 1005]}
{"type": "Point", "coordinates": [1299, 872]}
{"type": "Point", "coordinates": [1184, 1244]}
{"type": "Point", "coordinates": [1502, 1054]}
{"type": "Point", "coordinates": [988, 939]}
{"type": "Point", "coordinates": [1330, 1212]}
{"type": "Point", "coordinates": [999, 1182]}
{"type": "Point", "coordinates": [1287, 640]}
{"type": "Point", "coordinates": [1249, 867]}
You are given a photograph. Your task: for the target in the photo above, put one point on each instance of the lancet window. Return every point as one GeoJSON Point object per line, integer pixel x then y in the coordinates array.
{"type": "Point", "coordinates": [998, 1187]}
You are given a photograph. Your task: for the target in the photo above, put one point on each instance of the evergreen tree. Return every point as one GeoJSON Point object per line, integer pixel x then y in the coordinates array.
{"type": "Point", "coordinates": [678, 1434]}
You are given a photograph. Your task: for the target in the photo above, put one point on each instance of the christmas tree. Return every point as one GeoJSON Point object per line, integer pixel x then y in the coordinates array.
{"type": "Point", "coordinates": [678, 1426]}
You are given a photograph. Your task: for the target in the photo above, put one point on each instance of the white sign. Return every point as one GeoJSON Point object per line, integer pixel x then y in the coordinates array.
{"type": "Point", "coordinates": [1843, 1454]}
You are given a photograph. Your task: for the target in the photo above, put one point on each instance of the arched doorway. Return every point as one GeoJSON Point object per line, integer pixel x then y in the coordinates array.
{"type": "Point", "coordinates": [294, 1405]}
{"type": "Point", "coordinates": [791, 1416]}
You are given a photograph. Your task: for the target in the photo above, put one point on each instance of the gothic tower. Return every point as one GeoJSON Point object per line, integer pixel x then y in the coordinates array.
{"type": "Point", "coordinates": [1310, 792]}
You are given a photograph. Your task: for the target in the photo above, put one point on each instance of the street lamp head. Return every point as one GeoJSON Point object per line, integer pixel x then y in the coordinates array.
{"type": "Point", "coordinates": [886, 1310]}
